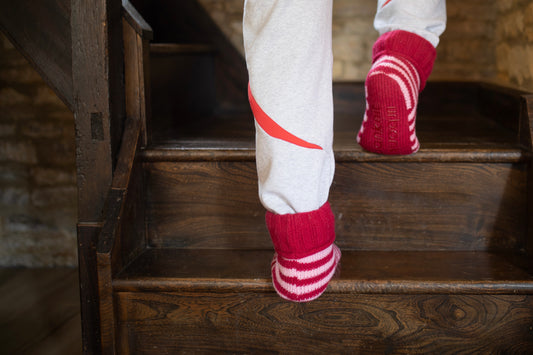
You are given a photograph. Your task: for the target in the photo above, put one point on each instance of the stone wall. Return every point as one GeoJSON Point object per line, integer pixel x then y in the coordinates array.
{"type": "Point", "coordinates": [466, 50]}
{"type": "Point", "coordinates": [37, 168]}
{"type": "Point", "coordinates": [514, 43]}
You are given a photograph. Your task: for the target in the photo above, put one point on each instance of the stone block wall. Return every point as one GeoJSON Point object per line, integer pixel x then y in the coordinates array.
{"type": "Point", "coordinates": [514, 43]}
{"type": "Point", "coordinates": [466, 50]}
{"type": "Point", "coordinates": [38, 191]}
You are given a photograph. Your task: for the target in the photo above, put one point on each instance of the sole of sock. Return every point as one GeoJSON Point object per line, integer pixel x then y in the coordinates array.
{"type": "Point", "coordinates": [392, 96]}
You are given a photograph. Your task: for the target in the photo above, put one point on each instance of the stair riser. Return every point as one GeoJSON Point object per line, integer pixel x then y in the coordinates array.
{"type": "Point", "coordinates": [182, 84]}
{"type": "Point", "coordinates": [336, 323]}
{"type": "Point", "coordinates": [378, 206]}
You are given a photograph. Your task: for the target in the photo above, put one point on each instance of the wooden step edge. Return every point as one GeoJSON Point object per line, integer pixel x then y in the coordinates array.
{"type": "Point", "coordinates": [186, 154]}
{"type": "Point", "coordinates": [336, 286]}
{"type": "Point", "coordinates": [181, 48]}
{"type": "Point", "coordinates": [370, 272]}
{"type": "Point", "coordinates": [451, 155]}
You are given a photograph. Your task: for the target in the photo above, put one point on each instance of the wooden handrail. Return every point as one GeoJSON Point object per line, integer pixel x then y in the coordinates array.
{"type": "Point", "coordinates": [136, 21]}
{"type": "Point", "coordinates": [137, 35]}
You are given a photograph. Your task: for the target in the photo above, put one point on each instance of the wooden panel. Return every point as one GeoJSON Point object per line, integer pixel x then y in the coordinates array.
{"type": "Point", "coordinates": [41, 31]}
{"type": "Point", "coordinates": [383, 206]}
{"type": "Point", "coordinates": [98, 93]}
{"type": "Point", "coordinates": [204, 205]}
{"type": "Point", "coordinates": [87, 243]}
{"type": "Point", "coordinates": [151, 323]}
{"type": "Point", "coordinates": [430, 206]}
{"type": "Point", "coordinates": [122, 236]}
{"type": "Point", "coordinates": [526, 138]}
{"type": "Point", "coordinates": [186, 21]}
{"type": "Point", "coordinates": [106, 243]}
{"type": "Point", "coordinates": [137, 35]}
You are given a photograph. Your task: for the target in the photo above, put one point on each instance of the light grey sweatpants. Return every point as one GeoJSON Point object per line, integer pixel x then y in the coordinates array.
{"type": "Point", "coordinates": [289, 59]}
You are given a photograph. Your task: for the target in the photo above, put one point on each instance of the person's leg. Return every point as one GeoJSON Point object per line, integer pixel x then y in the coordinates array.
{"type": "Point", "coordinates": [289, 59]}
{"type": "Point", "coordinates": [402, 58]}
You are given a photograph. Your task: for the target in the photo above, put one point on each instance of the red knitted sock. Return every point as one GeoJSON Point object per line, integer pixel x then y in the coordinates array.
{"type": "Point", "coordinates": [305, 258]}
{"type": "Point", "coordinates": [402, 62]}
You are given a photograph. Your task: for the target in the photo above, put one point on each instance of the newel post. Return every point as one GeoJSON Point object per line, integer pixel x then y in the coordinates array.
{"type": "Point", "coordinates": [98, 90]}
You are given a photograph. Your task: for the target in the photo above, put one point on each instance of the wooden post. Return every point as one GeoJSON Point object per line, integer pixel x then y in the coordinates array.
{"type": "Point", "coordinates": [98, 90]}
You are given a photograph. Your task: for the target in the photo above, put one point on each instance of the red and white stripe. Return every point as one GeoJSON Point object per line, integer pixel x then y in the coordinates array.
{"type": "Point", "coordinates": [392, 83]}
{"type": "Point", "coordinates": [305, 279]}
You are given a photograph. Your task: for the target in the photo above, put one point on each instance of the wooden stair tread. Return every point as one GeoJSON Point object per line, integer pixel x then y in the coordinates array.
{"type": "Point", "coordinates": [169, 269]}
{"type": "Point", "coordinates": [451, 115]}
{"type": "Point", "coordinates": [467, 137]}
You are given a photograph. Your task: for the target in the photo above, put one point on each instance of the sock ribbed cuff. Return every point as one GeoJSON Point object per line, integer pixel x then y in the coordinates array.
{"type": "Point", "coordinates": [299, 235]}
{"type": "Point", "coordinates": [417, 50]}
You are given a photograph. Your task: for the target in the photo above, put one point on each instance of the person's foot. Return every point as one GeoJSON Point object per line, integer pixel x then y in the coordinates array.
{"type": "Point", "coordinates": [305, 279]}
{"type": "Point", "coordinates": [402, 62]}
{"type": "Point", "coordinates": [306, 258]}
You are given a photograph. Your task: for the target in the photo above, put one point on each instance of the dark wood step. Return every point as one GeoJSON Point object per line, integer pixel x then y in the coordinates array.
{"type": "Point", "coordinates": [385, 206]}
{"type": "Point", "coordinates": [458, 137]}
{"type": "Point", "coordinates": [179, 300]}
{"type": "Point", "coordinates": [466, 189]}
{"type": "Point", "coordinates": [435, 249]}
{"type": "Point", "coordinates": [373, 272]}
{"type": "Point", "coordinates": [452, 136]}
{"type": "Point", "coordinates": [448, 113]}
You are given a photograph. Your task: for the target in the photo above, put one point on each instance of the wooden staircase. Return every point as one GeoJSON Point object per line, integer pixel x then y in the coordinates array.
{"type": "Point", "coordinates": [436, 246]}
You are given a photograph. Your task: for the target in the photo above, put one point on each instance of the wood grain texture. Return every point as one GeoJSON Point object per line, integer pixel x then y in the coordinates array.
{"type": "Point", "coordinates": [423, 206]}
{"type": "Point", "coordinates": [123, 231]}
{"type": "Point", "coordinates": [368, 272]}
{"type": "Point", "coordinates": [99, 97]}
{"type": "Point", "coordinates": [204, 205]}
{"type": "Point", "coordinates": [97, 75]}
{"type": "Point", "coordinates": [187, 22]}
{"type": "Point", "coordinates": [243, 150]}
{"type": "Point", "coordinates": [41, 31]}
{"type": "Point", "coordinates": [526, 138]}
{"type": "Point", "coordinates": [349, 323]}
{"type": "Point", "coordinates": [88, 279]}
{"type": "Point", "coordinates": [137, 85]}
{"type": "Point", "coordinates": [379, 206]}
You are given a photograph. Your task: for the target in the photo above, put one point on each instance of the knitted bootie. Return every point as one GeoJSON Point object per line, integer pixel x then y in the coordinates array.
{"type": "Point", "coordinates": [305, 258]}
{"type": "Point", "coordinates": [402, 62]}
